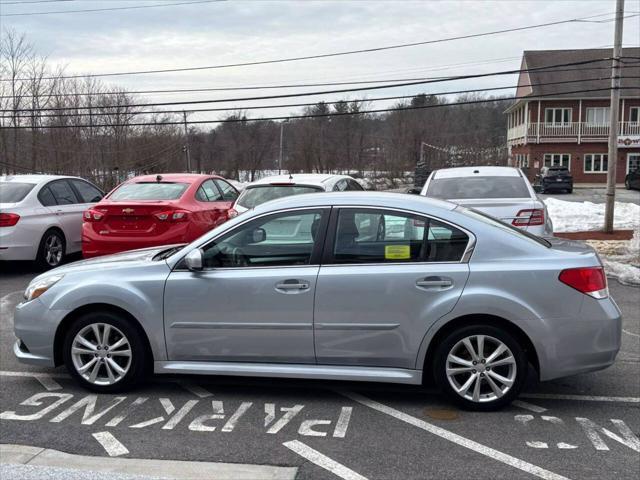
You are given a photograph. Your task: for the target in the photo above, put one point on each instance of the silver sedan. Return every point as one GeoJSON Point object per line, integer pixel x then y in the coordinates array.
{"type": "Point", "coordinates": [345, 286]}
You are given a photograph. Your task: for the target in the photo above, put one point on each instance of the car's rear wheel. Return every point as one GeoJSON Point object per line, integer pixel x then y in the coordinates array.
{"type": "Point", "coordinates": [627, 185]}
{"type": "Point", "coordinates": [480, 367]}
{"type": "Point", "coordinates": [104, 352]}
{"type": "Point", "coordinates": [51, 251]}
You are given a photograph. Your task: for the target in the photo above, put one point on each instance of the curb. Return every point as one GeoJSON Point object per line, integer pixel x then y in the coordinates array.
{"type": "Point", "coordinates": [170, 469]}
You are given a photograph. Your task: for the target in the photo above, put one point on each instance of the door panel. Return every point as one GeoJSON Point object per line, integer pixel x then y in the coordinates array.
{"type": "Point", "coordinates": [236, 314]}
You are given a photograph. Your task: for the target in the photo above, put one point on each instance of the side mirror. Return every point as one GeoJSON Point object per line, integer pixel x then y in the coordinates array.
{"type": "Point", "coordinates": [194, 260]}
{"type": "Point", "coordinates": [258, 235]}
{"type": "Point", "coordinates": [414, 191]}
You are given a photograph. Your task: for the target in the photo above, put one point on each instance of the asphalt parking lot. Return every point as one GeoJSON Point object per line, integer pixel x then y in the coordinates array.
{"type": "Point", "coordinates": [585, 426]}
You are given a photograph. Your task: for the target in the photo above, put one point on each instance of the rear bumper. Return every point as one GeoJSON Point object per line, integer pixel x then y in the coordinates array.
{"type": "Point", "coordinates": [583, 344]}
{"type": "Point", "coordinates": [564, 185]}
{"type": "Point", "coordinates": [16, 245]}
{"type": "Point", "coordinates": [94, 245]}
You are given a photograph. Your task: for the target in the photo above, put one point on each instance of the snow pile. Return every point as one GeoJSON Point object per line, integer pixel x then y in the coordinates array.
{"type": "Point", "coordinates": [621, 259]}
{"type": "Point", "coordinates": [588, 216]}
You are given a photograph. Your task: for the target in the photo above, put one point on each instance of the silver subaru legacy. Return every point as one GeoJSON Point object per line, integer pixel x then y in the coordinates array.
{"type": "Point", "coordinates": [346, 286]}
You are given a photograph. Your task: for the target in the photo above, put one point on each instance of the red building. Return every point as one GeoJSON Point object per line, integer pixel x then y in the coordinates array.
{"type": "Point", "coordinates": [563, 118]}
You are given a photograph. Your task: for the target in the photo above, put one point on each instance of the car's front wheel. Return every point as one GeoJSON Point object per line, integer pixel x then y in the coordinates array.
{"type": "Point", "coordinates": [104, 352]}
{"type": "Point", "coordinates": [480, 367]}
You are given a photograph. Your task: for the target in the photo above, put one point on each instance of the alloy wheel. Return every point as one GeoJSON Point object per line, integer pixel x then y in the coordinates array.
{"type": "Point", "coordinates": [53, 250]}
{"type": "Point", "coordinates": [481, 368]}
{"type": "Point", "coordinates": [101, 354]}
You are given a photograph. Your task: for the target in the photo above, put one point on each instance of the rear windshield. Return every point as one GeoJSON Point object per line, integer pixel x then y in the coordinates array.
{"type": "Point", "coordinates": [149, 191]}
{"type": "Point", "coordinates": [254, 196]}
{"type": "Point", "coordinates": [483, 217]}
{"type": "Point", "coordinates": [461, 188]}
{"type": "Point", "coordinates": [13, 192]}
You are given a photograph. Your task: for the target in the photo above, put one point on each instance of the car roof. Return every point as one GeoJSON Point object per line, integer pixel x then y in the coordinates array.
{"type": "Point", "coordinates": [32, 178]}
{"type": "Point", "coordinates": [172, 177]}
{"type": "Point", "coordinates": [318, 179]}
{"type": "Point", "coordinates": [366, 199]}
{"type": "Point", "coordinates": [484, 171]}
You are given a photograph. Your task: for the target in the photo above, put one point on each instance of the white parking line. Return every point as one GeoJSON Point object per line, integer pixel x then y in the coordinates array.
{"type": "Point", "coordinates": [111, 444]}
{"type": "Point", "coordinates": [630, 333]}
{"type": "Point", "coordinates": [457, 439]}
{"type": "Point", "coordinates": [323, 461]}
{"type": "Point", "coordinates": [528, 406]}
{"type": "Point", "coordinates": [581, 398]}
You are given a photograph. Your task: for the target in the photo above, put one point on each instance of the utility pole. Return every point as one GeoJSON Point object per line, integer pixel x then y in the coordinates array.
{"type": "Point", "coordinates": [186, 142]}
{"type": "Point", "coordinates": [281, 146]}
{"type": "Point", "coordinates": [613, 119]}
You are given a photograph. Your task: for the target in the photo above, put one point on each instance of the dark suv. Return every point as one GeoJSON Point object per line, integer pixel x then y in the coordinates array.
{"type": "Point", "coordinates": [554, 179]}
{"type": "Point", "coordinates": [632, 180]}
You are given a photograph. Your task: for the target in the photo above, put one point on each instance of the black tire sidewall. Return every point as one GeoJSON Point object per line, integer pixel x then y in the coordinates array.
{"type": "Point", "coordinates": [138, 360]}
{"type": "Point", "coordinates": [439, 367]}
{"type": "Point", "coordinates": [40, 259]}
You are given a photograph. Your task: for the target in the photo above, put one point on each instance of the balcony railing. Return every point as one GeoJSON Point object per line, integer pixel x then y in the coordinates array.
{"type": "Point", "coordinates": [573, 130]}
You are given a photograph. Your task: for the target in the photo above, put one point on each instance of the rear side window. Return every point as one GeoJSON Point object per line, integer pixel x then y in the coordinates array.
{"type": "Point", "coordinates": [229, 194]}
{"type": "Point", "coordinates": [461, 188]}
{"type": "Point", "coordinates": [148, 191]}
{"type": "Point", "coordinates": [382, 236]}
{"type": "Point", "coordinates": [62, 192]}
{"type": "Point", "coordinates": [254, 196]}
{"type": "Point", "coordinates": [13, 192]}
{"type": "Point", "coordinates": [88, 193]}
{"type": "Point", "coordinates": [46, 197]}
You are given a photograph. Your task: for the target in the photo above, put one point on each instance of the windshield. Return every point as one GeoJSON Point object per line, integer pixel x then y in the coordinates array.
{"type": "Point", "coordinates": [488, 219]}
{"type": "Point", "coordinates": [13, 192]}
{"type": "Point", "coordinates": [149, 191]}
{"type": "Point", "coordinates": [461, 188]}
{"type": "Point", "coordinates": [254, 196]}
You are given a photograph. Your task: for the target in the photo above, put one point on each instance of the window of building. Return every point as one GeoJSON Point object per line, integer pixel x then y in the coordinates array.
{"type": "Point", "coordinates": [633, 162]}
{"type": "Point", "coordinates": [595, 163]}
{"type": "Point", "coordinates": [634, 115]}
{"type": "Point", "coordinates": [522, 160]}
{"type": "Point", "coordinates": [557, 159]}
{"type": "Point", "coordinates": [557, 116]}
{"type": "Point", "coordinates": [598, 115]}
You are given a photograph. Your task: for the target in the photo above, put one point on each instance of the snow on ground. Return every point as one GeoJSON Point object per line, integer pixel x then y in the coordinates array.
{"type": "Point", "coordinates": [587, 216]}
{"type": "Point", "coordinates": [621, 258]}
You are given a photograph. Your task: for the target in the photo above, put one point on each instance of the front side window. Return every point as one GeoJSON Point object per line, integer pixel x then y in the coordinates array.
{"type": "Point", "coordinates": [340, 186]}
{"type": "Point", "coordinates": [62, 192]}
{"type": "Point", "coordinates": [382, 236]}
{"type": "Point", "coordinates": [229, 194]}
{"type": "Point", "coordinates": [633, 162]}
{"type": "Point", "coordinates": [598, 115]}
{"type": "Point", "coordinates": [88, 193]}
{"type": "Point", "coordinates": [208, 192]}
{"type": "Point", "coordinates": [557, 116]}
{"type": "Point", "coordinates": [557, 159]}
{"type": "Point", "coordinates": [284, 239]}
{"type": "Point", "coordinates": [595, 163]}
{"type": "Point", "coordinates": [354, 186]}
{"type": "Point", "coordinates": [148, 191]}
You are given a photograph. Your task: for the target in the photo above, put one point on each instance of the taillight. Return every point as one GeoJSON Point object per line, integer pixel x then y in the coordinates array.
{"type": "Point", "coordinates": [8, 219]}
{"type": "Point", "coordinates": [92, 215]}
{"type": "Point", "coordinates": [529, 217]}
{"type": "Point", "coordinates": [232, 213]}
{"type": "Point", "coordinates": [172, 216]}
{"type": "Point", "coordinates": [591, 281]}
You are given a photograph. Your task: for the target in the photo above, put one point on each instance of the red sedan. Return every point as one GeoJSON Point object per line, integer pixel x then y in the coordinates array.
{"type": "Point", "coordinates": [156, 210]}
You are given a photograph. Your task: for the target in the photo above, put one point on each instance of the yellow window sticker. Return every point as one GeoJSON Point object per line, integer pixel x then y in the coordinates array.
{"type": "Point", "coordinates": [397, 252]}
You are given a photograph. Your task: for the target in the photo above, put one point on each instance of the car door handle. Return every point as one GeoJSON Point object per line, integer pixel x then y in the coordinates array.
{"type": "Point", "coordinates": [434, 283]}
{"type": "Point", "coordinates": [292, 286]}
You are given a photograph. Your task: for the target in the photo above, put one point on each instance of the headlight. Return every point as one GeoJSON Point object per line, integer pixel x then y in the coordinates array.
{"type": "Point", "coordinates": [37, 288]}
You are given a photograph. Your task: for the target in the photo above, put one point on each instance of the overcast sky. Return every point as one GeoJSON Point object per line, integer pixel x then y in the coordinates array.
{"type": "Point", "coordinates": [236, 31]}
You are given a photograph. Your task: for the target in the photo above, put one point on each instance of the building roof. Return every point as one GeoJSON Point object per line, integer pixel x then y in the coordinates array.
{"type": "Point", "coordinates": [534, 62]}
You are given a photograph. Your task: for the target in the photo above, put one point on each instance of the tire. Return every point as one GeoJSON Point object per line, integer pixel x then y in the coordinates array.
{"type": "Point", "coordinates": [486, 398]}
{"type": "Point", "coordinates": [570, 190]}
{"type": "Point", "coordinates": [627, 185]}
{"type": "Point", "coordinates": [132, 365]}
{"type": "Point", "coordinates": [51, 251]}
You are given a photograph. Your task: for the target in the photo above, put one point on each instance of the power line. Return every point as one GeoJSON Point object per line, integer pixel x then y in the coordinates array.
{"type": "Point", "coordinates": [324, 92]}
{"type": "Point", "coordinates": [288, 105]}
{"type": "Point", "coordinates": [326, 55]}
{"type": "Point", "coordinates": [335, 114]}
{"type": "Point", "coordinates": [106, 9]}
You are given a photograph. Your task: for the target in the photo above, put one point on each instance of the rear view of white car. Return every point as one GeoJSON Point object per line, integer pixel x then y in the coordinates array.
{"type": "Point", "coordinates": [502, 192]}
{"type": "Point", "coordinates": [41, 216]}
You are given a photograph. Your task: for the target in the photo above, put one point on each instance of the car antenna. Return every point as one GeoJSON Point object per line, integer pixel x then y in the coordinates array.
{"type": "Point", "coordinates": [158, 178]}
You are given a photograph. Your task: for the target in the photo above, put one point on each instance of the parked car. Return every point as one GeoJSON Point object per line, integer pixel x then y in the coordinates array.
{"type": "Point", "coordinates": [503, 192]}
{"type": "Point", "coordinates": [554, 179]}
{"type": "Point", "coordinates": [307, 287]}
{"type": "Point", "coordinates": [41, 216]}
{"type": "Point", "coordinates": [156, 210]}
{"type": "Point", "coordinates": [278, 186]}
{"type": "Point", "coordinates": [632, 180]}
